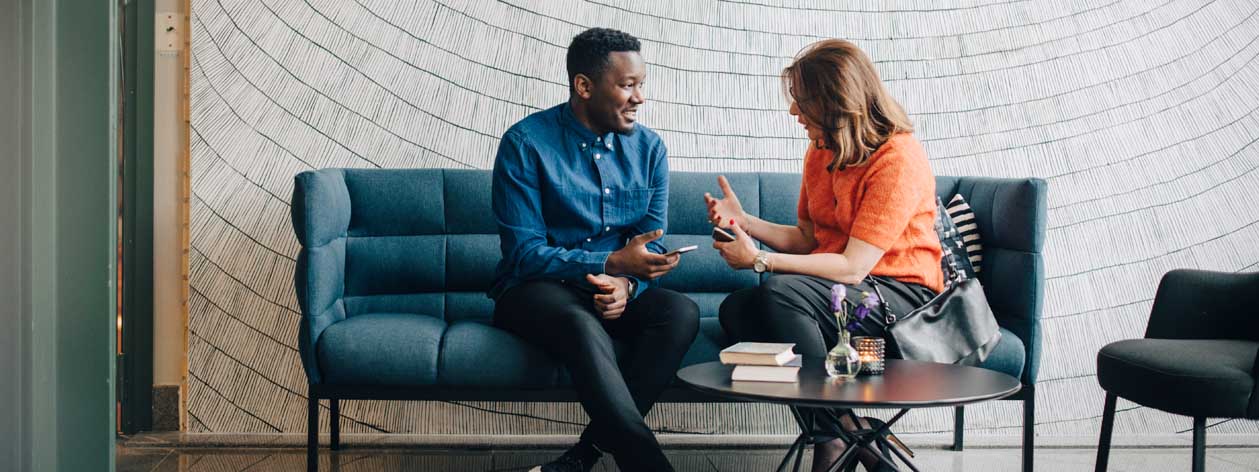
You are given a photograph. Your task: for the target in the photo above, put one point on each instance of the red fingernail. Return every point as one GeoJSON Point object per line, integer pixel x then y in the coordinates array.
{"type": "Point", "coordinates": [732, 221]}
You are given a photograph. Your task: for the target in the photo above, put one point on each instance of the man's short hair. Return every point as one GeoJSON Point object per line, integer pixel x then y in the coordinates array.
{"type": "Point", "coordinates": [588, 53]}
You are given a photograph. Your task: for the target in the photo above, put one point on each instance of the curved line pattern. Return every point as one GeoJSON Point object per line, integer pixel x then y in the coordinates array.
{"type": "Point", "coordinates": [884, 11]}
{"type": "Point", "coordinates": [1141, 115]}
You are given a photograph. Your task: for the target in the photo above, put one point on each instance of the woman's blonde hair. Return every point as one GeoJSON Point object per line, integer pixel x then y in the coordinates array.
{"type": "Point", "coordinates": [836, 87]}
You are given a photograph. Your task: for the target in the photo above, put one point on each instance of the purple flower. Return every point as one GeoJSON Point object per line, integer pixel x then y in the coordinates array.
{"type": "Point", "coordinates": [861, 312]}
{"type": "Point", "coordinates": [869, 300]}
{"type": "Point", "coordinates": [838, 293]}
{"type": "Point", "coordinates": [853, 326]}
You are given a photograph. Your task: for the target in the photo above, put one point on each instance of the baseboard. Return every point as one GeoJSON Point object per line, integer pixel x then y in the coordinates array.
{"type": "Point", "coordinates": [165, 408]}
{"type": "Point", "coordinates": [678, 441]}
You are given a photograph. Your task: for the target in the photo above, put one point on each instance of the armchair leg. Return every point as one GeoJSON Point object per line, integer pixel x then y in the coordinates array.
{"type": "Point", "coordinates": [959, 427]}
{"type": "Point", "coordinates": [334, 423]}
{"type": "Point", "coordinates": [1199, 444]}
{"type": "Point", "coordinates": [1103, 441]}
{"type": "Point", "coordinates": [312, 432]}
{"type": "Point", "coordinates": [1029, 427]}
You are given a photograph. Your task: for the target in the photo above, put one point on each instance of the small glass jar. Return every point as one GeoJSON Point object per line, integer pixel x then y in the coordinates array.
{"type": "Point", "coordinates": [870, 351]}
{"type": "Point", "coordinates": [842, 361]}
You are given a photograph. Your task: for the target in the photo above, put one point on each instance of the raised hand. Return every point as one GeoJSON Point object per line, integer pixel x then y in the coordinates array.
{"type": "Point", "coordinates": [613, 296]}
{"type": "Point", "coordinates": [634, 259]}
{"type": "Point", "coordinates": [722, 210]}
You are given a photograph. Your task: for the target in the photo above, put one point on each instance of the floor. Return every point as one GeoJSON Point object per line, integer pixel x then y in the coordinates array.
{"type": "Point", "coordinates": [269, 453]}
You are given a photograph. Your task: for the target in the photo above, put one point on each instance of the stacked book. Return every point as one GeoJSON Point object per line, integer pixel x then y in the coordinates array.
{"type": "Point", "coordinates": [762, 362]}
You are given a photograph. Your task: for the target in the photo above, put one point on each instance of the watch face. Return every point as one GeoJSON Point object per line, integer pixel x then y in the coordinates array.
{"type": "Point", "coordinates": [761, 263]}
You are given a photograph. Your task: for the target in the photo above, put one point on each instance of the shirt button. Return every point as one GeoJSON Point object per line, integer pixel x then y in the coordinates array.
{"type": "Point", "coordinates": [587, 239]}
{"type": "Point", "coordinates": [607, 228]}
{"type": "Point", "coordinates": [583, 145]}
{"type": "Point", "coordinates": [608, 145]}
{"type": "Point", "coordinates": [597, 156]}
{"type": "Point", "coordinates": [607, 191]}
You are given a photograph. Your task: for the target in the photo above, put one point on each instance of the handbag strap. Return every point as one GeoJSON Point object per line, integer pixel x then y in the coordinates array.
{"type": "Point", "coordinates": [888, 316]}
{"type": "Point", "coordinates": [955, 274]}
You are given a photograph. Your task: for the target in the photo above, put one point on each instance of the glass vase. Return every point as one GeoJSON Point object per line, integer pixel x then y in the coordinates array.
{"type": "Point", "coordinates": [843, 361]}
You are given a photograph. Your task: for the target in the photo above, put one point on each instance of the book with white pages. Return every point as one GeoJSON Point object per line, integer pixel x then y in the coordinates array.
{"type": "Point", "coordinates": [768, 373]}
{"type": "Point", "coordinates": [749, 353]}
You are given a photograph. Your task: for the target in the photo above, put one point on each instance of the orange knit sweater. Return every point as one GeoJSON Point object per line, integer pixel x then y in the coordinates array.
{"type": "Point", "coordinates": [889, 202]}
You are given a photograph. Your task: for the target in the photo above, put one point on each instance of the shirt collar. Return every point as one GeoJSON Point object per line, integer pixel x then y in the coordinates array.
{"type": "Point", "coordinates": [585, 137]}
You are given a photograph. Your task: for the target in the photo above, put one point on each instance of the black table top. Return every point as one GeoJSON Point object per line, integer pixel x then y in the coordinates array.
{"type": "Point", "coordinates": [903, 384]}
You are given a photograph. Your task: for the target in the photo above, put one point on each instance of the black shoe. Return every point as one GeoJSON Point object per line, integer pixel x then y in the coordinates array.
{"type": "Point", "coordinates": [580, 458]}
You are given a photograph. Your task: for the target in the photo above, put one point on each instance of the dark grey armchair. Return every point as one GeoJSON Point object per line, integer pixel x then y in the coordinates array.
{"type": "Point", "coordinates": [1198, 357]}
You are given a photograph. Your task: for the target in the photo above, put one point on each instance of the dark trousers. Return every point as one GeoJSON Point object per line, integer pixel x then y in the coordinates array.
{"type": "Point", "coordinates": [796, 309]}
{"type": "Point", "coordinates": [657, 328]}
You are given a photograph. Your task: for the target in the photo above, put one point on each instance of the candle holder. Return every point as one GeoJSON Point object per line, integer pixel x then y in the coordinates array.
{"type": "Point", "coordinates": [870, 351]}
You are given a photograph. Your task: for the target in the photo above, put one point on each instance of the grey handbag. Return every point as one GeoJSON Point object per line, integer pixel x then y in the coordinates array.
{"type": "Point", "coordinates": [955, 327]}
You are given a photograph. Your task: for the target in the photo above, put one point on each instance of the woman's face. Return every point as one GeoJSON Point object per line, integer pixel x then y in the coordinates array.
{"type": "Point", "coordinates": [815, 132]}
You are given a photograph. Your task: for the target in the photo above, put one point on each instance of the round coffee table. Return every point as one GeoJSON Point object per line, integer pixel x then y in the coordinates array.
{"type": "Point", "coordinates": [903, 385]}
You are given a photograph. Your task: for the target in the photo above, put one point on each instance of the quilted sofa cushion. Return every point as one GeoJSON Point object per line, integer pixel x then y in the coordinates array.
{"type": "Point", "coordinates": [465, 360]}
{"type": "Point", "coordinates": [381, 349]}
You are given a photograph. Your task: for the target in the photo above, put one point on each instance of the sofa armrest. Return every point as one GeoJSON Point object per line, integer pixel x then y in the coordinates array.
{"type": "Point", "coordinates": [320, 212]}
{"type": "Point", "coordinates": [1198, 304]}
{"type": "Point", "coordinates": [1011, 215]}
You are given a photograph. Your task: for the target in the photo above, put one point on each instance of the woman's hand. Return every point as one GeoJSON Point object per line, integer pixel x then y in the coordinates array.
{"type": "Point", "coordinates": [740, 253]}
{"type": "Point", "coordinates": [722, 210]}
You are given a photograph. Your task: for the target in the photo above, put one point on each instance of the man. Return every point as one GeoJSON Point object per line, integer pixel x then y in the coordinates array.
{"type": "Point", "coordinates": [580, 193]}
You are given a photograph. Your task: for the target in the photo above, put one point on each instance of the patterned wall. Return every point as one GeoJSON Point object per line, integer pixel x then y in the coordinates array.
{"type": "Point", "coordinates": [1139, 113]}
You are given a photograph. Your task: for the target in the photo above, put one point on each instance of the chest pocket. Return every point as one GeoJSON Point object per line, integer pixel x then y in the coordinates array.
{"type": "Point", "coordinates": [630, 205]}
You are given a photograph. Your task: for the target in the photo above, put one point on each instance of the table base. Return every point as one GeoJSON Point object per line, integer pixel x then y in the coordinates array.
{"type": "Point", "coordinates": [853, 441]}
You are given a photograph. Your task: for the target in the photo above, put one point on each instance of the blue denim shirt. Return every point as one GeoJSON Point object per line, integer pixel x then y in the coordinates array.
{"type": "Point", "coordinates": [565, 198]}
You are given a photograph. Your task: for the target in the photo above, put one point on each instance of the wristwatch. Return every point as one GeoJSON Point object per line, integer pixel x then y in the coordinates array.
{"type": "Point", "coordinates": [632, 287]}
{"type": "Point", "coordinates": [761, 263]}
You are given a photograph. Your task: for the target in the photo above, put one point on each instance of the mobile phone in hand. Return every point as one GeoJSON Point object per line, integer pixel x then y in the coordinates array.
{"type": "Point", "coordinates": [722, 235]}
{"type": "Point", "coordinates": [682, 250]}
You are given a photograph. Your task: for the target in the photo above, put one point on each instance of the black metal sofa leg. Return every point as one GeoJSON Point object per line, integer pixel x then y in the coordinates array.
{"type": "Point", "coordinates": [334, 423]}
{"type": "Point", "coordinates": [1029, 427]}
{"type": "Point", "coordinates": [1108, 427]}
{"type": "Point", "coordinates": [959, 426]}
{"type": "Point", "coordinates": [1200, 444]}
{"type": "Point", "coordinates": [312, 432]}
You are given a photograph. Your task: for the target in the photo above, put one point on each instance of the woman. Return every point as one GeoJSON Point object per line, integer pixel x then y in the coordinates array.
{"type": "Point", "coordinates": [866, 211]}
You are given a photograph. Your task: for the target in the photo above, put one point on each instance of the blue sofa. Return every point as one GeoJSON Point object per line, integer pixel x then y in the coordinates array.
{"type": "Point", "coordinates": [394, 267]}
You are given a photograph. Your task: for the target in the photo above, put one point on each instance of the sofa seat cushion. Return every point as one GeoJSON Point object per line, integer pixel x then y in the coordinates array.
{"type": "Point", "coordinates": [1008, 357]}
{"type": "Point", "coordinates": [381, 349]}
{"type": "Point", "coordinates": [476, 354]}
{"type": "Point", "coordinates": [1175, 375]}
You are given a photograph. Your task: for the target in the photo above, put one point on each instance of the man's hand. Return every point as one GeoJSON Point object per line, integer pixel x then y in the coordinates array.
{"type": "Point", "coordinates": [740, 253]}
{"type": "Point", "coordinates": [614, 296]}
{"type": "Point", "coordinates": [634, 259]}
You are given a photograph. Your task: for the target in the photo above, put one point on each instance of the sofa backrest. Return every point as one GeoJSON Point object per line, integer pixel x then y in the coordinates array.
{"type": "Point", "coordinates": [424, 241]}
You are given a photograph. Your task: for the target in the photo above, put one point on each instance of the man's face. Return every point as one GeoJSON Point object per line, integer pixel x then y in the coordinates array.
{"type": "Point", "coordinates": [613, 99]}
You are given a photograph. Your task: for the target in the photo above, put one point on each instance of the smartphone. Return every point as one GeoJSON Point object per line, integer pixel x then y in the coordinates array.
{"type": "Point", "coordinates": [722, 235]}
{"type": "Point", "coordinates": [682, 250]}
